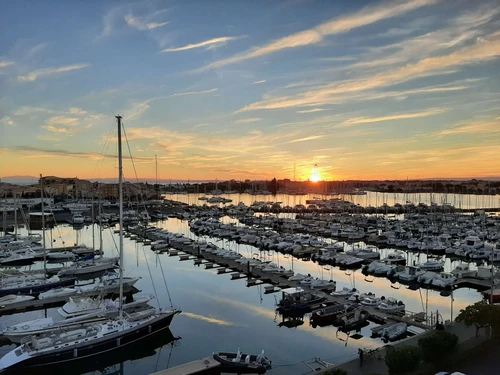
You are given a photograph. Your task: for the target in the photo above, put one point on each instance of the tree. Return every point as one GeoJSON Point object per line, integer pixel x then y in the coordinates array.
{"type": "Point", "coordinates": [402, 359]}
{"type": "Point", "coordinates": [480, 315]}
{"type": "Point", "coordinates": [437, 345]}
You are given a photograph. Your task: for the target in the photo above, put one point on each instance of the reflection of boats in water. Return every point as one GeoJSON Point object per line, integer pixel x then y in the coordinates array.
{"type": "Point", "coordinates": [108, 363]}
{"type": "Point", "coordinates": [291, 322]}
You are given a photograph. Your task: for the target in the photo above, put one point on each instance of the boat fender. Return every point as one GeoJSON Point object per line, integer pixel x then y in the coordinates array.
{"type": "Point", "coordinates": [75, 353]}
{"type": "Point", "coordinates": [149, 329]}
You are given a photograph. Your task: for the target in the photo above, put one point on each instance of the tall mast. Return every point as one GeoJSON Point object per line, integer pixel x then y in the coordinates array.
{"type": "Point", "coordinates": [43, 228]}
{"type": "Point", "coordinates": [15, 215]}
{"type": "Point", "coordinates": [120, 193]}
{"type": "Point", "coordinates": [93, 222]}
{"type": "Point", "coordinates": [100, 223]}
{"type": "Point", "coordinates": [4, 214]}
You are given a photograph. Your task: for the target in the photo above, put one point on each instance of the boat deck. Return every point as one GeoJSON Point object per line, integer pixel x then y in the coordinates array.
{"type": "Point", "coordinates": [194, 367]}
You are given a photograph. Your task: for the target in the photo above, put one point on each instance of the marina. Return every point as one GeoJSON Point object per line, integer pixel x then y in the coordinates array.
{"type": "Point", "coordinates": [186, 253]}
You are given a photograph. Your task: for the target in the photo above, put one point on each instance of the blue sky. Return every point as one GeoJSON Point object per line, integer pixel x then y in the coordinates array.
{"type": "Point", "coordinates": [247, 89]}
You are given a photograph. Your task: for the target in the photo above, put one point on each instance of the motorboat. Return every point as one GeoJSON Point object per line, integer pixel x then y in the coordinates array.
{"type": "Point", "coordinates": [379, 268]}
{"type": "Point", "coordinates": [395, 332]}
{"type": "Point", "coordinates": [410, 273]}
{"type": "Point", "coordinates": [432, 265]}
{"type": "Point", "coordinates": [444, 280]}
{"type": "Point", "coordinates": [427, 277]}
{"type": "Point", "coordinates": [78, 218]}
{"type": "Point", "coordinates": [391, 305]}
{"type": "Point", "coordinates": [297, 277]}
{"type": "Point", "coordinates": [329, 314]}
{"type": "Point", "coordinates": [344, 292]}
{"type": "Point", "coordinates": [297, 301]}
{"type": "Point", "coordinates": [396, 257]}
{"type": "Point", "coordinates": [242, 363]}
{"type": "Point", "coordinates": [322, 284]}
{"type": "Point", "coordinates": [353, 320]}
{"type": "Point", "coordinates": [463, 270]}
{"type": "Point", "coordinates": [371, 301]}
{"type": "Point", "coordinates": [10, 299]}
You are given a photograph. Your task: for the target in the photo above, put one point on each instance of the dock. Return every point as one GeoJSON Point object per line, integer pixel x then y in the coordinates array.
{"type": "Point", "coordinates": [256, 277]}
{"type": "Point", "coordinates": [38, 304]}
{"type": "Point", "coordinates": [194, 367]}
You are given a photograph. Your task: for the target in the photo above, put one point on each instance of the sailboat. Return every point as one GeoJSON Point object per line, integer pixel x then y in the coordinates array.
{"type": "Point", "coordinates": [83, 342]}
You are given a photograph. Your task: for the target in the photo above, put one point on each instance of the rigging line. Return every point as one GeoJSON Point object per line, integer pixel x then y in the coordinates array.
{"type": "Point", "coordinates": [133, 165]}
{"type": "Point", "coordinates": [170, 354]}
{"type": "Point", "coordinates": [158, 358]}
{"type": "Point", "coordinates": [151, 276]}
{"type": "Point", "coordinates": [164, 279]}
{"type": "Point", "coordinates": [104, 148]}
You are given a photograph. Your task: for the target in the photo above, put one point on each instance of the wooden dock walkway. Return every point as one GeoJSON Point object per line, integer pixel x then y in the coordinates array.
{"type": "Point", "coordinates": [194, 367]}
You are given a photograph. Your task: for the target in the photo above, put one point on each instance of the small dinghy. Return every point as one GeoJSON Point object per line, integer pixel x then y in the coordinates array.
{"type": "Point", "coordinates": [242, 363]}
{"type": "Point", "coordinates": [395, 332]}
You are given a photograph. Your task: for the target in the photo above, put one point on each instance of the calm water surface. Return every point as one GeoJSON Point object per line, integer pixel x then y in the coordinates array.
{"type": "Point", "coordinates": [223, 314]}
{"type": "Point", "coordinates": [373, 199]}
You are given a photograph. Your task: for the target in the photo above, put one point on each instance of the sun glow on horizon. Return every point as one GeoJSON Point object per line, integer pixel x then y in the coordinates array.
{"type": "Point", "coordinates": [315, 176]}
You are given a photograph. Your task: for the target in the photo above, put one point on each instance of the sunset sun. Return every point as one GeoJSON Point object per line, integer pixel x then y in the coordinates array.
{"type": "Point", "coordinates": [315, 177]}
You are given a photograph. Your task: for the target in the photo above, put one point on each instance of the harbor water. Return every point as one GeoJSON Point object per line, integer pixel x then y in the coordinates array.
{"type": "Point", "coordinates": [220, 314]}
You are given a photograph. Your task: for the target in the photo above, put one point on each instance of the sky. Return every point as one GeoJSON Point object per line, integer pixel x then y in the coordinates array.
{"type": "Point", "coordinates": [251, 89]}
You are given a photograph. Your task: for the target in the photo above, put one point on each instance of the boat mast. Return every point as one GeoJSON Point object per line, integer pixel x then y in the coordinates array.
{"type": "Point", "coordinates": [100, 223]}
{"type": "Point", "coordinates": [43, 228]}
{"type": "Point", "coordinates": [15, 216]}
{"type": "Point", "coordinates": [120, 194]}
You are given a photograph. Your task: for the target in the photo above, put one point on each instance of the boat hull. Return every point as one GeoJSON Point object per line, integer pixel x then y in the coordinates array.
{"type": "Point", "coordinates": [37, 289]}
{"type": "Point", "coordinates": [104, 346]}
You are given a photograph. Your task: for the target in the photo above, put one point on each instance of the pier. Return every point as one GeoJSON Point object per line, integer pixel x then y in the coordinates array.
{"type": "Point", "coordinates": [44, 303]}
{"type": "Point", "coordinates": [194, 367]}
{"type": "Point", "coordinates": [258, 277]}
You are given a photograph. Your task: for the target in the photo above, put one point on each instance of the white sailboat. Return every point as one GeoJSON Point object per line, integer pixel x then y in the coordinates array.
{"type": "Point", "coordinates": [82, 342]}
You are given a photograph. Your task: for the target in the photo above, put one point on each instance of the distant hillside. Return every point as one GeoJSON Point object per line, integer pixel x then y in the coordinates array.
{"type": "Point", "coordinates": [20, 180]}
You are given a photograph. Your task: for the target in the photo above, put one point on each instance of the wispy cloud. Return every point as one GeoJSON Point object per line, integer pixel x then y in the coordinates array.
{"type": "Point", "coordinates": [313, 110]}
{"type": "Point", "coordinates": [140, 25]}
{"type": "Point", "coordinates": [193, 93]}
{"type": "Point", "coordinates": [259, 82]}
{"type": "Point", "coordinates": [305, 139]}
{"type": "Point", "coordinates": [55, 129]}
{"type": "Point", "coordinates": [402, 116]}
{"type": "Point", "coordinates": [33, 76]}
{"type": "Point", "coordinates": [339, 25]}
{"type": "Point", "coordinates": [248, 120]}
{"type": "Point", "coordinates": [4, 64]}
{"type": "Point", "coordinates": [479, 127]}
{"type": "Point", "coordinates": [483, 50]}
{"type": "Point", "coordinates": [210, 44]}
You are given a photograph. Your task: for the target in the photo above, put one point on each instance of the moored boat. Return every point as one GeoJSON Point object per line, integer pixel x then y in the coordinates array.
{"type": "Point", "coordinates": [242, 363]}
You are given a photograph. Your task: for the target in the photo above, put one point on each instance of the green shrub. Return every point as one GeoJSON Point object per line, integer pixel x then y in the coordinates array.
{"type": "Point", "coordinates": [402, 359]}
{"type": "Point", "coordinates": [335, 371]}
{"type": "Point", "coordinates": [437, 345]}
